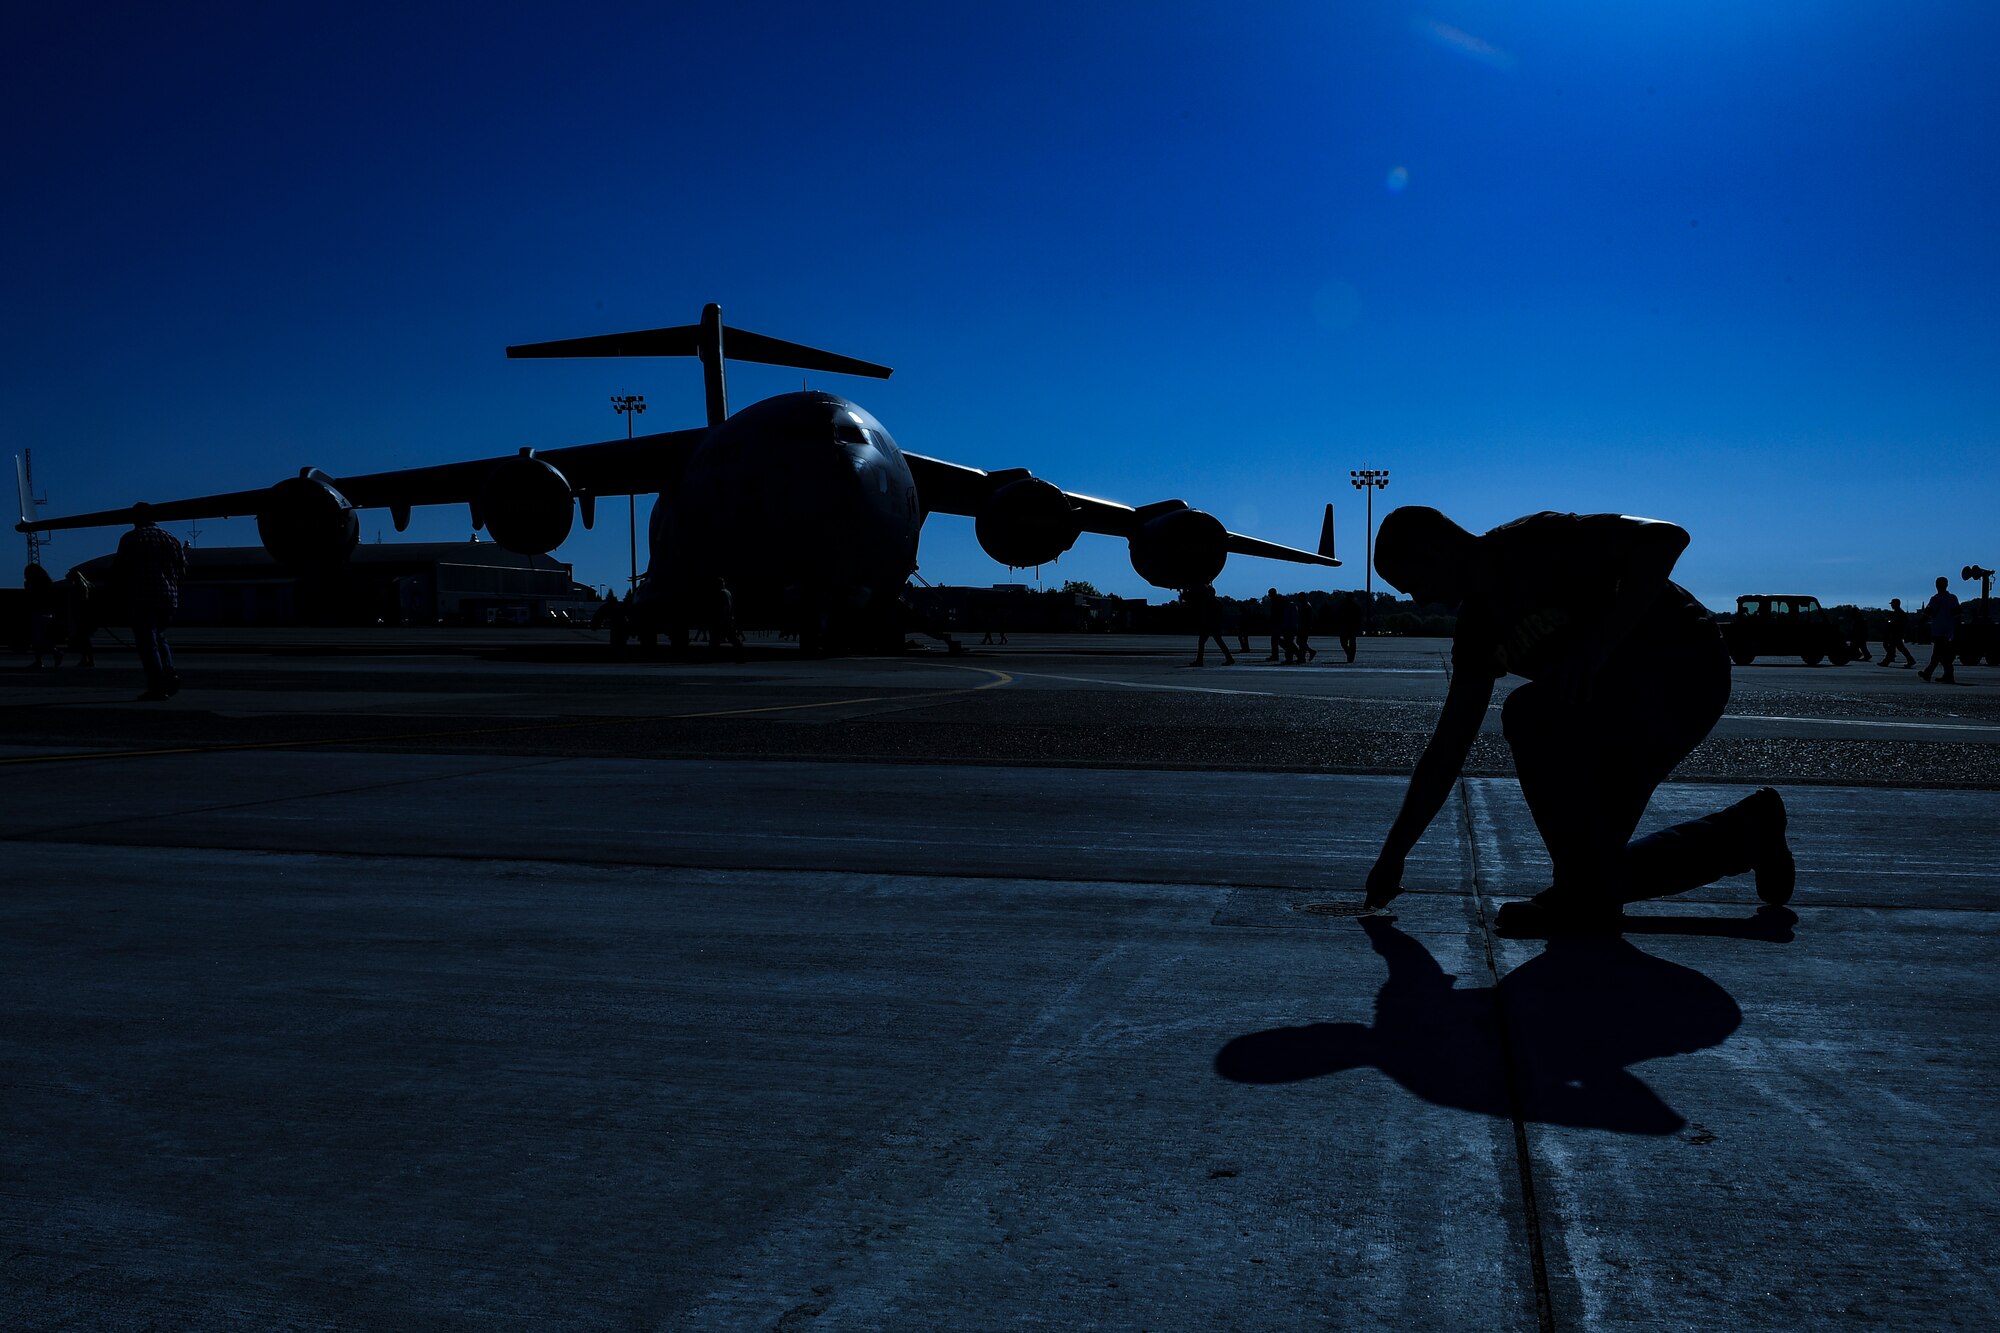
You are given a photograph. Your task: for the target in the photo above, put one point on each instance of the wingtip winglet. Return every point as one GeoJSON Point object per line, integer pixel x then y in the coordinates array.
{"type": "Point", "coordinates": [1326, 533]}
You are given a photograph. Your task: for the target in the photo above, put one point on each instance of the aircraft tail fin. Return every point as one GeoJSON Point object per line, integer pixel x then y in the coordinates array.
{"type": "Point", "coordinates": [1326, 533]}
{"type": "Point", "coordinates": [711, 340]}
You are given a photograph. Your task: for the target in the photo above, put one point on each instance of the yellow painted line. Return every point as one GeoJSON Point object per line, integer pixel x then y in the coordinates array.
{"type": "Point", "coordinates": [568, 724]}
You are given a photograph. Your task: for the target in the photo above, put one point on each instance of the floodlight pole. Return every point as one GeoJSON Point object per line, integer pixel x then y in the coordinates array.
{"type": "Point", "coordinates": [1370, 480]}
{"type": "Point", "coordinates": [629, 407]}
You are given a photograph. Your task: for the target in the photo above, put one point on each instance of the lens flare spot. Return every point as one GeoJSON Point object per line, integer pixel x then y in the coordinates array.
{"type": "Point", "coordinates": [1399, 179]}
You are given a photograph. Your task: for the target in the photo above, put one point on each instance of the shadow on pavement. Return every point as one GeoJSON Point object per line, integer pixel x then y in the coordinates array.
{"type": "Point", "coordinates": [1772, 925]}
{"type": "Point", "coordinates": [1579, 1016]}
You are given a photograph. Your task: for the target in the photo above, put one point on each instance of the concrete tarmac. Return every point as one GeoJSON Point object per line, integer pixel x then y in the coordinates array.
{"type": "Point", "coordinates": [481, 984]}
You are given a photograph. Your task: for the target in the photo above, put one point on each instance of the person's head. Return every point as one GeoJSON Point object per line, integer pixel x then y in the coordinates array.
{"type": "Point", "coordinates": [1271, 593]}
{"type": "Point", "coordinates": [1423, 553]}
{"type": "Point", "coordinates": [1896, 602]}
{"type": "Point", "coordinates": [1943, 583]}
{"type": "Point", "coordinates": [142, 515]}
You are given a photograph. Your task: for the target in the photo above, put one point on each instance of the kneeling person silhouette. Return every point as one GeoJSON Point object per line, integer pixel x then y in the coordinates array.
{"type": "Point", "coordinates": [1626, 673]}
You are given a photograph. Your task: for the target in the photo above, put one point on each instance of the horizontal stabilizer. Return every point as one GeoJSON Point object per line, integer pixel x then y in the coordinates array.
{"type": "Point", "coordinates": [685, 340]}
{"type": "Point", "coordinates": [739, 345]}
{"type": "Point", "coordinates": [1238, 544]}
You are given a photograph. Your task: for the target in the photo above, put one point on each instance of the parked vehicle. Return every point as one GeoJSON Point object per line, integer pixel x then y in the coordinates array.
{"type": "Point", "coordinates": [1783, 625]}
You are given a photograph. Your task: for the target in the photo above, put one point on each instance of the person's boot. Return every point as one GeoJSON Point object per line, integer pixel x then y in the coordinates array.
{"type": "Point", "coordinates": [1770, 855]}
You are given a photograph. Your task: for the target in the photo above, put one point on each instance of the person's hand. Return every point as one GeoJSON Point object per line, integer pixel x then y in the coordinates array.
{"type": "Point", "coordinates": [1384, 882]}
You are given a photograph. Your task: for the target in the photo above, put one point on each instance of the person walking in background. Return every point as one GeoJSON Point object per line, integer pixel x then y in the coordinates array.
{"type": "Point", "coordinates": [722, 620]}
{"type": "Point", "coordinates": [82, 615]}
{"type": "Point", "coordinates": [1304, 637]}
{"type": "Point", "coordinates": [1943, 612]}
{"type": "Point", "coordinates": [150, 564]}
{"type": "Point", "coordinates": [1207, 624]}
{"type": "Point", "coordinates": [611, 618]}
{"type": "Point", "coordinates": [1857, 636]}
{"type": "Point", "coordinates": [1347, 623]}
{"type": "Point", "coordinates": [1288, 619]}
{"type": "Point", "coordinates": [1274, 613]}
{"type": "Point", "coordinates": [42, 601]}
{"type": "Point", "coordinates": [1893, 629]}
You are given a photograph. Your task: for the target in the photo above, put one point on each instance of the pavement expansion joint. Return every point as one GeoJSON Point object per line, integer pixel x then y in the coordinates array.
{"type": "Point", "coordinates": [1531, 1217]}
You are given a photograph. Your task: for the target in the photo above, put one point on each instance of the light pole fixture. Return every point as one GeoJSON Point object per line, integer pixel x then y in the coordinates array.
{"type": "Point", "coordinates": [629, 407]}
{"type": "Point", "coordinates": [1370, 480]}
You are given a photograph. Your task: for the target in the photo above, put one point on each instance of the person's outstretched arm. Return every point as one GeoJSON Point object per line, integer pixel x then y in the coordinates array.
{"type": "Point", "coordinates": [1437, 769]}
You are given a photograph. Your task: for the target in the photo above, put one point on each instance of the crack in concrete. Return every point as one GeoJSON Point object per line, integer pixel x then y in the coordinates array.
{"type": "Point", "coordinates": [1531, 1211]}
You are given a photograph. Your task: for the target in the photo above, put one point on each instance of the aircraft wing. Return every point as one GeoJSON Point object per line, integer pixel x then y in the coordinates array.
{"type": "Point", "coordinates": [642, 465]}
{"type": "Point", "coordinates": [953, 488]}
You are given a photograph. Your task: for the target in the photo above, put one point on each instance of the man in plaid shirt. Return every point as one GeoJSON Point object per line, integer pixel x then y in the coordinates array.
{"type": "Point", "coordinates": [150, 565]}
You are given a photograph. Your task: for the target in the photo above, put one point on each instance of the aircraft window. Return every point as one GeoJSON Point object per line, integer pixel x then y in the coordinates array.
{"type": "Point", "coordinates": [849, 433]}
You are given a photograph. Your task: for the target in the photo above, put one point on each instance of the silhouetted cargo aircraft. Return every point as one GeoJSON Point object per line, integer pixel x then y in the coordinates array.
{"type": "Point", "coordinates": [803, 502]}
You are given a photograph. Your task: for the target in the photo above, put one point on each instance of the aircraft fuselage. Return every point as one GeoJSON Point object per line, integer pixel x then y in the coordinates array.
{"type": "Point", "coordinates": [802, 502]}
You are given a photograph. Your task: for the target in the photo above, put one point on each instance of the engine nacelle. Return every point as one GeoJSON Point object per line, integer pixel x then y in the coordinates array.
{"type": "Point", "coordinates": [1025, 522]}
{"type": "Point", "coordinates": [526, 505]}
{"type": "Point", "coordinates": [306, 523]}
{"type": "Point", "coordinates": [1181, 548]}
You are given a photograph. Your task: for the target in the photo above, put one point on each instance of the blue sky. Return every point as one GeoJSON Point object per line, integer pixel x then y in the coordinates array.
{"type": "Point", "coordinates": [1727, 264]}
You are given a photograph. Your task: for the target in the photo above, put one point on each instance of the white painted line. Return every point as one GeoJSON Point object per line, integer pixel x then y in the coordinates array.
{"type": "Point", "coordinates": [1213, 689]}
{"type": "Point", "coordinates": [1153, 685]}
{"type": "Point", "coordinates": [1862, 722]}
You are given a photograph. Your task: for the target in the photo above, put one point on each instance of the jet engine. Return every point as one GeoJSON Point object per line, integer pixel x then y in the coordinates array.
{"type": "Point", "coordinates": [307, 523]}
{"type": "Point", "coordinates": [1025, 522]}
{"type": "Point", "coordinates": [526, 505]}
{"type": "Point", "coordinates": [1178, 547]}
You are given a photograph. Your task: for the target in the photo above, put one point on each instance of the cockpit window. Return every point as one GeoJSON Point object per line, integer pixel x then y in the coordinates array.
{"type": "Point", "coordinates": [848, 432]}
